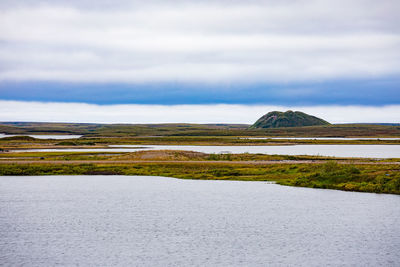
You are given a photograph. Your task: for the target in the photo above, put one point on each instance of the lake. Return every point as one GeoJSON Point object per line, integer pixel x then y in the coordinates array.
{"type": "Point", "coordinates": [158, 221]}
{"type": "Point", "coordinates": [358, 151]}
{"type": "Point", "coordinates": [42, 136]}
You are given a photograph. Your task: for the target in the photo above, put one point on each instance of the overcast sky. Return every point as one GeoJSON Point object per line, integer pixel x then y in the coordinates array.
{"type": "Point", "coordinates": [271, 53]}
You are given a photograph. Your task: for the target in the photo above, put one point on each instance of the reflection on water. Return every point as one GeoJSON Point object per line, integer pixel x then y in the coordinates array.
{"type": "Point", "coordinates": [154, 221]}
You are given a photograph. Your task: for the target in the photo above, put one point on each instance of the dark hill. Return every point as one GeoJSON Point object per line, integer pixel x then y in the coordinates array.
{"type": "Point", "coordinates": [276, 119]}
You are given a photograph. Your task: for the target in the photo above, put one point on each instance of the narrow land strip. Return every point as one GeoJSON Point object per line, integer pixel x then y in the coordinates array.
{"type": "Point", "coordinates": [267, 162]}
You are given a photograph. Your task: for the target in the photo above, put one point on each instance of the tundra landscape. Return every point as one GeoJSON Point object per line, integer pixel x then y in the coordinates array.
{"type": "Point", "coordinates": [319, 171]}
{"type": "Point", "coordinates": [199, 133]}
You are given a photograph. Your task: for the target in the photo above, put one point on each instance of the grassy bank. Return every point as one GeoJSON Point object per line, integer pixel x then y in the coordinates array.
{"type": "Point", "coordinates": [168, 155]}
{"type": "Point", "coordinates": [350, 177]}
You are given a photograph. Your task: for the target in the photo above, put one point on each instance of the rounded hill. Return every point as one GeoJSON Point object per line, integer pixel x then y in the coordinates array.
{"type": "Point", "coordinates": [276, 119]}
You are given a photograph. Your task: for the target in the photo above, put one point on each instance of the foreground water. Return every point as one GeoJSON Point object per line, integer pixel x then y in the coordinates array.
{"type": "Point", "coordinates": [156, 221]}
{"type": "Point", "coordinates": [44, 136]}
{"type": "Point", "coordinates": [357, 151]}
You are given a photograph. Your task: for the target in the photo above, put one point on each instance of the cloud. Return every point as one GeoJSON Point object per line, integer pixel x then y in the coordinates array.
{"type": "Point", "coordinates": [207, 42]}
{"type": "Point", "coordinates": [375, 92]}
{"type": "Point", "coordinates": [248, 114]}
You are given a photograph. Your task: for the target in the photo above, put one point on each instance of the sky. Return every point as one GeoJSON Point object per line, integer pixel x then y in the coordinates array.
{"type": "Point", "coordinates": [159, 59]}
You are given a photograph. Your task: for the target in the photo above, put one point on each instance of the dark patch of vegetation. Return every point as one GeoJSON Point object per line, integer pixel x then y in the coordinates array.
{"type": "Point", "coordinates": [103, 172]}
{"type": "Point", "coordinates": [67, 143]}
{"type": "Point", "coordinates": [19, 138]}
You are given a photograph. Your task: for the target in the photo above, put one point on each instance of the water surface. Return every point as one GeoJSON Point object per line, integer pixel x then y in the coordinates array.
{"type": "Point", "coordinates": [357, 151]}
{"type": "Point", "coordinates": [323, 138]}
{"type": "Point", "coordinates": [156, 221]}
{"type": "Point", "coordinates": [43, 136]}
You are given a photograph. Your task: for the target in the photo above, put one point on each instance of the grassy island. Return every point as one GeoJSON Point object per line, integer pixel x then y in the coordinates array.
{"type": "Point", "coordinates": [306, 171]}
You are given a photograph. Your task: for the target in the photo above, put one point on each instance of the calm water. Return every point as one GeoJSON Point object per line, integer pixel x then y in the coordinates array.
{"type": "Point", "coordinates": [322, 138]}
{"type": "Point", "coordinates": [359, 151]}
{"type": "Point", "coordinates": [43, 136]}
{"type": "Point", "coordinates": [155, 221]}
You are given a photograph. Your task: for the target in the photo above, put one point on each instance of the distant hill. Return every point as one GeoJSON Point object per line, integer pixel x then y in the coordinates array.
{"type": "Point", "coordinates": [276, 119]}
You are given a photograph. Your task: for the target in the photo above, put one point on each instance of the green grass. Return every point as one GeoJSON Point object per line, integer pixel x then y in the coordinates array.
{"type": "Point", "coordinates": [349, 177]}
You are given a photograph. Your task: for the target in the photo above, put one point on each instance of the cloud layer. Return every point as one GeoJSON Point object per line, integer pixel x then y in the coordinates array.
{"type": "Point", "coordinates": [207, 41]}
{"type": "Point", "coordinates": [248, 114]}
